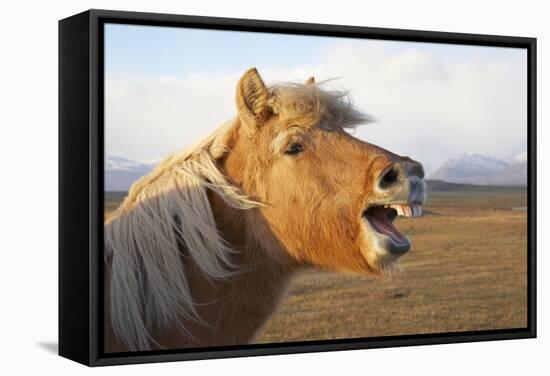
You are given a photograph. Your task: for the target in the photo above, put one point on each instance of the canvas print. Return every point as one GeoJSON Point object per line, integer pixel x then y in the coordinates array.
{"type": "Point", "coordinates": [277, 188]}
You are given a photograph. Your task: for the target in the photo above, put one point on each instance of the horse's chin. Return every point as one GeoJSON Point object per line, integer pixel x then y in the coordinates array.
{"type": "Point", "coordinates": [386, 244]}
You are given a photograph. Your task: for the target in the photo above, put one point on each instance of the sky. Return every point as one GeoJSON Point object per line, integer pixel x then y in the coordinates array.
{"type": "Point", "coordinates": [167, 87]}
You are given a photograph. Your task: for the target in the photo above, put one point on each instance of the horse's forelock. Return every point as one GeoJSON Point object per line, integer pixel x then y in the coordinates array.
{"type": "Point", "coordinates": [312, 104]}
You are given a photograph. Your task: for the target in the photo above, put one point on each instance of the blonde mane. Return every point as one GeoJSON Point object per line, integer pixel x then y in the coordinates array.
{"type": "Point", "coordinates": [169, 208]}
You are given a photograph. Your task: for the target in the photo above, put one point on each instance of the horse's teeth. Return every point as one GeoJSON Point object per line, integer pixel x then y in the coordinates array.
{"type": "Point", "coordinates": [406, 210]}
{"type": "Point", "coordinates": [417, 210]}
{"type": "Point", "coordinates": [398, 209]}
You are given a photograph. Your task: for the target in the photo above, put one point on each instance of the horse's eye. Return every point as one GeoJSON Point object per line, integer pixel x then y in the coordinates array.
{"type": "Point", "coordinates": [294, 149]}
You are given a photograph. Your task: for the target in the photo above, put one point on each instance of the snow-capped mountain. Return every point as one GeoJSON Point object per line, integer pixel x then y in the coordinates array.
{"type": "Point", "coordinates": [121, 173]}
{"type": "Point", "coordinates": [121, 163]}
{"type": "Point", "coordinates": [514, 174]}
{"type": "Point", "coordinates": [481, 169]}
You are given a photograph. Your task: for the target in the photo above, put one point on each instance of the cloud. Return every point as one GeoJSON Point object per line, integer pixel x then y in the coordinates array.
{"type": "Point", "coordinates": [429, 105]}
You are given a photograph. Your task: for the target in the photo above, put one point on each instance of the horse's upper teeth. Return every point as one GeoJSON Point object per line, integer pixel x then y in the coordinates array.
{"type": "Point", "coordinates": [406, 210]}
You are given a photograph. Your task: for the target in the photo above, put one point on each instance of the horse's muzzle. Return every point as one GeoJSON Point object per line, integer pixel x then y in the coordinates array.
{"type": "Point", "coordinates": [403, 181]}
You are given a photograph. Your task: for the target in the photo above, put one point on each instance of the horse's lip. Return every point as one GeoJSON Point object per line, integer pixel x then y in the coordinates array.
{"type": "Point", "coordinates": [380, 219]}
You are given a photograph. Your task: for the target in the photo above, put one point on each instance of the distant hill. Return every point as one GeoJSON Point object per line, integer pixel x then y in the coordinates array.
{"type": "Point", "coordinates": [443, 186]}
{"type": "Point", "coordinates": [454, 174]}
{"type": "Point", "coordinates": [121, 173]}
{"type": "Point", "coordinates": [514, 174]}
{"type": "Point", "coordinates": [481, 169]}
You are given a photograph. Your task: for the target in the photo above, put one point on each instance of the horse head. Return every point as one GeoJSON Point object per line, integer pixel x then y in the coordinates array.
{"type": "Point", "coordinates": [329, 198]}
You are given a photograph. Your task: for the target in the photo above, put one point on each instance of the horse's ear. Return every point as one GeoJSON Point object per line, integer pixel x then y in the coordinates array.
{"type": "Point", "coordinates": [252, 99]}
{"type": "Point", "coordinates": [310, 81]}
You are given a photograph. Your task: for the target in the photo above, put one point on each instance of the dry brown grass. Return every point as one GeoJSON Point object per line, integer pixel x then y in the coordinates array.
{"type": "Point", "coordinates": [467, 270]}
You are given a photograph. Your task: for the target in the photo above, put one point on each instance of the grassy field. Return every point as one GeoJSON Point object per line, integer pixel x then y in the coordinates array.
{"type": "Point", "coordinates": [467, 270]}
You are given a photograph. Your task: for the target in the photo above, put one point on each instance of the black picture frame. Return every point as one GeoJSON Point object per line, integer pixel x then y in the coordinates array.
{"type": "Point", "coordinates": [81, 185]}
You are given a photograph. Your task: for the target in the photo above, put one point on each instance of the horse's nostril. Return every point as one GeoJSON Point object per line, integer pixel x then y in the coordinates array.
{"type": "Point", "coordinates": [389, 179]}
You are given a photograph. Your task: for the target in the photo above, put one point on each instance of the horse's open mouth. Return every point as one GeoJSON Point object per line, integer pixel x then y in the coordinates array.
{"type": "Point", "coordinates": [381, 218]}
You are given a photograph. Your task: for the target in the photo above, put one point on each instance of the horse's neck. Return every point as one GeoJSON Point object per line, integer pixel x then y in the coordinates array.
{"type": "Point", "coordinates": [235, 309]}
{"type": "Point", "coordinates": [243, 303]}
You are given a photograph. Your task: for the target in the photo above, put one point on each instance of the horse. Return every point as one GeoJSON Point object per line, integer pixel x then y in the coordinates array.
{"type": "Point", "coordinates": [202, 249]}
